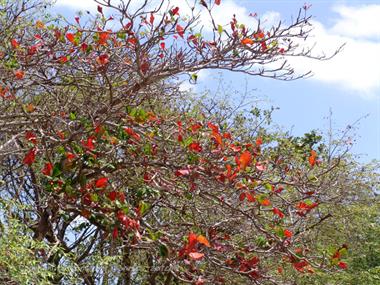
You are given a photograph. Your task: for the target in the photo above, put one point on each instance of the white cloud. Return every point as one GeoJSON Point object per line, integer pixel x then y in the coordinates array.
{"type": "Point", "coordinates": [358, 22]}
{"type": "Point", "coordinates": [77, 4]}
{"type": "Point", "coordinates": [202, 77]}
{"type": "Point", "coordinates": [357, 67]}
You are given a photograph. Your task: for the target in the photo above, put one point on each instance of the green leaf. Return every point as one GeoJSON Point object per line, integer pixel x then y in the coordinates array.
{"type": "Point", "coordinates": [164, 252]}
{"type": "Point", "coordinates": [144, 207]}
{"type": "Point", "coordinates": [187, 141]}
{"type": "Point", "coordinates": [94, 197]}
{"type": "Point", "coordinates": [57, 170]}
{"type": "Point", "coordinates": [72, 116]}
{"type": "Point", "coordinates": [121, 35]}
{"type": "Point", "coordinates": [220, 29]}
{"type": "Point", "coordinates": [268, 186]}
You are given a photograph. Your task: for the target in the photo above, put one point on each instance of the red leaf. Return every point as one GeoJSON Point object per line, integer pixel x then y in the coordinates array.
{"type": "Point", "coordinates": [30, 157]}
{"type": "Point", "coordinates": [174, 11]}
{"type": "Point", "coordinates": [102, 59]}
{"type": "Point", "coordinates": [63, 59]}
{"type": "Point", "coordinates": [260, 166]}
{"type": "Point", "coordinates": [259, 141]}
{"type": "Point", "coordinates": [288, 233]}
{"type": "Point", "coordinates": [182, 172]}
{"type": "Point", "coordinates": [101, 182]}
{"type": "Point", "coordinates": [122, 197]}
{"type": "Point", "coordinates": [103, 37]}
{"type": "Point", "coordinates": [48, 169]}
{"type": "Point", "coordinates": [250, 197]}
{"type": "Point", "coordinates": [132, 133]}
{"type": "Point", "coordinates": [235, 148]}
{"type": "Point", "coordinates": [196, 255]}
{"type": "Point", "coordinates": [196, 147]}
{"type": "Point", "coordinates": [342, 265]}
{"type": "Point", "coordinates": [15, 43]}
{"type": "Point", "coordinates": [242, 196]}
{"type": "Point", "coordinates": [84, 47]}
{"type": "Point", "coordinates": [162, 45]}
{"type": "Point", "coordinates": [145, 67]}
{"type": "Point", "coordinates": [300, 265]}
{"type": "Point", "coordinates": [227, 136]}
{"type": "Point", "coordinates": [151, 19]}
{"type": "Point", "coordinates": [180, 30]}
{"type": "Point", "coordinates": [89, 144]}
{"type": "Point", "coordinates": [200, 281]}
{"type": "Point", "coordinates": [115, 233]}
{"type": "Point", "coordinates": [19, 74]}
{"type": "Point", "coordinates": [100, 9]}
{"type": "Point", "coordinates": [245, 159]}
{"type": "Point", "coordinates": [77, 19]}
{"type": "Point", "coordinates": [30, 136]}
{"type": "Point", "coordinates": [70, 37]}
{"type": "Point", "coordinates": [112, 195]}
{"type": "Point", "coordinates": [70, 156]}
{"type": "Point", "coordinates": [192, 240]}
{"type": "Point", "coordinates": [278, 212]}
{"type": "Point", "coordinates": [122, 218]}
{"type": "Point", "coordinates": [213, 127]}
{"type": "Point", "coordinates": [217, 2]}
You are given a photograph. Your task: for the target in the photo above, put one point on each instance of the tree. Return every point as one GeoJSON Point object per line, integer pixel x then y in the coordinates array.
{"type": "Point", "coordinates": [133, 190]}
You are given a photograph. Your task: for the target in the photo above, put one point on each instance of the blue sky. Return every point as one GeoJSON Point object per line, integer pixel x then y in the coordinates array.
{"type": "Point", "coordinates": [349, 84]}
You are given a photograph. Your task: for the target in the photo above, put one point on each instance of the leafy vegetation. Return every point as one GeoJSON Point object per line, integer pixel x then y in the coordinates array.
{"type": "Point", "coordinates": [104, 182]}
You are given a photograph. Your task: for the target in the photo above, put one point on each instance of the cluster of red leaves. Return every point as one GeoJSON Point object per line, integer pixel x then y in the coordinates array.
{"type": "Point", "coordinates": [304, 208]}
{"type": "Point", "coordinates": [190, 249]}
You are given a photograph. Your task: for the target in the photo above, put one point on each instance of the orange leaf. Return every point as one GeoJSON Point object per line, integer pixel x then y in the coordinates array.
{"type": "Point", "coordinates": [19, 74]}
{"type": "Point", "coordinates": [247, 41]}
{"type": "Point", "coordinates": [201, 239]}
{"type": "Point", "coordinates": [265, 202]}
{"type": "Point", "coordinates": [30, 108]}
{"type": "Point", "coordinates": [312, 158]}
{"type": "Point", "coordinates": [245, 159]}
{"type": "Point", "coordinates": [218, 138]}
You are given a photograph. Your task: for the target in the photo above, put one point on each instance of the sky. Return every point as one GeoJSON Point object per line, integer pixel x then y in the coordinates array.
{"type": "Point", "coordinates": [347, 85]}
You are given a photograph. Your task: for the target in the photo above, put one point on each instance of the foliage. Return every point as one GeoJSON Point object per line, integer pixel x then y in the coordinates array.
{"type": "Point", "coordinates": [123, 188]}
